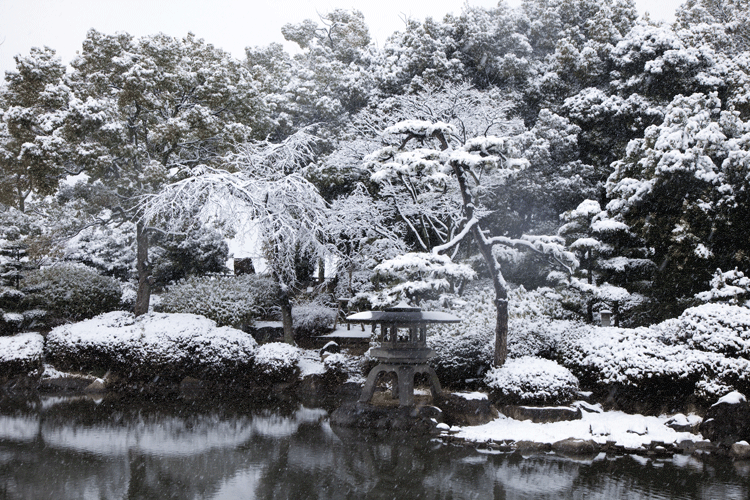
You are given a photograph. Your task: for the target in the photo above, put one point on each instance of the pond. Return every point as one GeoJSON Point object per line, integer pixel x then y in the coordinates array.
{"type": "Point", "coordinates": [117, 448]}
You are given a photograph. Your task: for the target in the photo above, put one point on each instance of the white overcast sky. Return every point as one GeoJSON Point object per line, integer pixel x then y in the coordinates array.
{"type": "Point", "coordinates": [229, 24]}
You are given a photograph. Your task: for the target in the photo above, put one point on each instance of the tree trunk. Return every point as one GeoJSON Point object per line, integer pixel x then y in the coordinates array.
{"type": "Point", "coordinates": [286, 315]}
{"type": "Point", "coordinates": [321, 271]}
{"type": "Point", "coordinates": [493, 266]}
{"type": "Point", "coordinates": [501, 332]}
{"type": "Point", "coordinates": [616, 311]}
{"type": "Point", "coordinates": [143, 296]}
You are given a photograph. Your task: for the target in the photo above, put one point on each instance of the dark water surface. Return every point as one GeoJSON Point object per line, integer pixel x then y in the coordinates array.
{"type": "Point", "coordinates": [81, 448]}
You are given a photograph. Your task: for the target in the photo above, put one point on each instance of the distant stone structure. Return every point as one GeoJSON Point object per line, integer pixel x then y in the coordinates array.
{"type": "Point", "coordinates": [244, 266]}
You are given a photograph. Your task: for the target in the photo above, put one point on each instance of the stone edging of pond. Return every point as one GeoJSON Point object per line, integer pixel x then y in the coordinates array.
{"type": "Point", "coordinates": [585, 448]}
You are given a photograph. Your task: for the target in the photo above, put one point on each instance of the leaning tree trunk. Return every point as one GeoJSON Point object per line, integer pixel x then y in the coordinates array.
{"type": "Point", "coordinates": [498, 282]}
{"type": "Point", "coordinates": [143, 296]}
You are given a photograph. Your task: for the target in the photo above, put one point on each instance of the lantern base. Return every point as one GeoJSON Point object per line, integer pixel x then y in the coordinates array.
{"type": "Point", "coordinates": [404, 387]}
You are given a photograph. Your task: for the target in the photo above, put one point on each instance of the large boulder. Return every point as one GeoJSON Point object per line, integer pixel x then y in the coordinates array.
{"type": "Point", "coordinates": [541, 414]}
{"type": "Point", "coordinates": [415, 420]}
{"type": "Point", "coordinates": [728, 421]}
{"type": "Point", "coordinates": [465, 409]}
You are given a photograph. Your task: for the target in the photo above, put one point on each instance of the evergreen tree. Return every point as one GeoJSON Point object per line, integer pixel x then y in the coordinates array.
{"type": "Point", "coordinates": [146, 108]}
{"type": "Point", "coordinates": [33, 108]}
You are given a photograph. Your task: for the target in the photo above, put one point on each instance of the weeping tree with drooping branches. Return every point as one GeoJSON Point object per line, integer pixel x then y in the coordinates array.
{"type": "Point", "coordinates": [261, 191]}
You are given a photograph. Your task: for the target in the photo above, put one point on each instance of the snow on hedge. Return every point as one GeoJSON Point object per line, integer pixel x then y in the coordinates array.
{"type": "Point", "coordinates": [715, 327]}
{"type": "Point", "coordinates": [20, 354]}
{"type": "Point", "coordinates": [465, 350]}
{"type": "Point", "coordinates": [531, 380]}
{"type": "Point", "coordinates": [174, 344]}
{"type": "Point", "coordinates": [277, 360]}
{"type": "Point", "coordinates": [707, 346]}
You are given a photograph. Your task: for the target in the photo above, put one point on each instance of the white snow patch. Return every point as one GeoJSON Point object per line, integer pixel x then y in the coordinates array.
{"type": "Point", "coordinates": [471, 395]}
{"type": "Point", "coordinates": [733, 398]}
{"type": "Point", "coordinates": [310, 364]}
{"type": "Point", "coordinates": [599, 427]}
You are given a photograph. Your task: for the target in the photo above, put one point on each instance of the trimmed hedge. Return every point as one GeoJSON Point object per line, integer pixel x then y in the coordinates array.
{"type": "Point", "coordinates": [170, 346]}
{"type": "Point", "coordinates": [229, 301]}
{"type": "Point", "coordinates": [21, 355]}
{"type": "Point", "coordinates": [530, 380]}
{"type": "Point", "coordinates": [71, 292]}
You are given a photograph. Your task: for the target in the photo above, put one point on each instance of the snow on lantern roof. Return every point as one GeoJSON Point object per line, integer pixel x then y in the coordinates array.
{"type": "Point", "coordinates": [403, 313]}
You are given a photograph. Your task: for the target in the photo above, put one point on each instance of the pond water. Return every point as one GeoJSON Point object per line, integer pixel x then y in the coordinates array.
{"type": "Point", "coordinates": [82, 448]}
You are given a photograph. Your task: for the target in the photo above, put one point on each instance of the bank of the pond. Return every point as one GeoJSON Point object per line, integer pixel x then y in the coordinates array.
{"type": "Point", "coordinates": [117, 446]}
{"type": "Point", "coordinates": [189, 356]}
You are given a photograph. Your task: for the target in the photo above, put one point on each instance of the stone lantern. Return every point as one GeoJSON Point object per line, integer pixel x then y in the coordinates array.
{"type": "Point", "coordinates": [403, 348]}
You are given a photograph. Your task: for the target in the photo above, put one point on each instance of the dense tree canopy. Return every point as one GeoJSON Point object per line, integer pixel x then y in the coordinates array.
{"type": "Point", "coordinates": [572, 122]}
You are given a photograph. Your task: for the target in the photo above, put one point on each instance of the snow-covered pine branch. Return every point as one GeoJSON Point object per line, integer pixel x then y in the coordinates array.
{"type": "Point", "coordinates": [546, 246]}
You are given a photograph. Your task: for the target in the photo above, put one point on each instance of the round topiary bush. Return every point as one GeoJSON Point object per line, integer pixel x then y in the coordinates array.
{"type": "Point", "coordinates": [229, 301]}
{"type": "Point", "coordinates": [71, 292]}
{"type": "Point", "coordinates": [276, 362]}
{"type": "Point", "coordinates": [530, 380]}
{"type": "Point", "coordinates": [312, 319]}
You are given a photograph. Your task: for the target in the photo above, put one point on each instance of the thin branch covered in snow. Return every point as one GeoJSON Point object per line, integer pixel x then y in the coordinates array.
{"type": "Point", "coordinates": [264, 192]}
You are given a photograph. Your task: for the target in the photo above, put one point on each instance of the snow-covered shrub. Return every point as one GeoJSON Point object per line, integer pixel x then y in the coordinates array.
{"type": "Point", "coordinates": [71, 292]}
{"type": "Point", "coordinates": [721, 328]}
{"type": "Point", "coordinates": [200, 252]}
{"type": "Point", "coordinates": [540, 336]}
{"type": "Point", "coordinates": [530, 380]}
{"type": "Point", "coordinates": [128, 295]}
{"type": "Point", "coordinates": [730, 286]}
{"type": "Point", "coordinates": [20, 355]}
{"type": "Point", "coordinates": [170, 346]}
{"type": "Point", "coordinates": [108, 249]}
{"type": "Point", "coordinates": [10, 322]}
{"type": "Point", "coordinates": [465, 350]}
{"type": "Point", "coordinates": [703, 353]}
{"type": "Point", "coordinates": [276, 361]}
{"type": "Point", "coordinates": [538, 303]}
{"type": "Point", "coordinates": [627, 356]}
{"type": "Point", "coordinates": [344, 366]}
{"type": "Point", "coordinates": [417, 276]}
{"type": "Point", "coordinates": [312, 319]}
{"type": "Point", "coordinates": [233, 301]}
{"type": "Point", "coordinates": [461, 357]}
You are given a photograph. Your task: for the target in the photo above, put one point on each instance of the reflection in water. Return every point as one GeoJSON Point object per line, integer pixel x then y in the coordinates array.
{"type": "Point", "coordinates": [78, 448]}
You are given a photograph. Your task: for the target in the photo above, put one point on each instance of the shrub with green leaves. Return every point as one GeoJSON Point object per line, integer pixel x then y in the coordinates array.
{"type": "Point", "coordinates": [229, 301]}
{"type": "Point", "coordinates": [312, 319]}
{"type": "Point", "coordinates": [459, 358]}
{"type": "Point", "coordinates": [70, 292]}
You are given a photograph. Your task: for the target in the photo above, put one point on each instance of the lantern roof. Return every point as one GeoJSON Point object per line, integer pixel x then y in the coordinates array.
{"type": "Point", "coordinates": [403, 313]}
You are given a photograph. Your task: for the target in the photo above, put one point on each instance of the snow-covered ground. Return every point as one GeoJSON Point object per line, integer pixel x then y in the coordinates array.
{"type": "Point", "coordinates": [630, 431]}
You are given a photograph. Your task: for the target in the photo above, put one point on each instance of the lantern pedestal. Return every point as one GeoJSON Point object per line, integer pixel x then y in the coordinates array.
{"type": "Point", "coordinates": [403, 389]}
